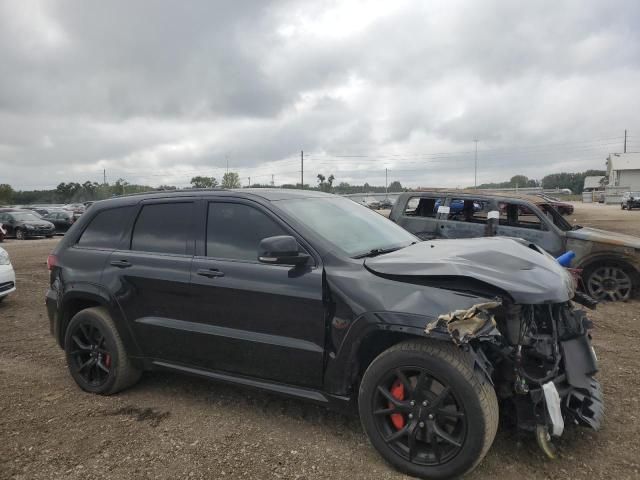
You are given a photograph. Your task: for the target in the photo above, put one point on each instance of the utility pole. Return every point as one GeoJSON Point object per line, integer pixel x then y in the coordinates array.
{"type": "Point", "coordinates": [475, 183]}
{"type": "Point", "coordinates": [625, 140]}
{"type": "Point", "coordinates": [249, 182]}
{"type": "Point", "coordinates": [386, 183]}
{"type": "Point", "coordinates": [302, 169]}
{"type": "Point", "coordinates": [104, 176]}
{"type": "Point", "coordinates": [272, 181]}
{"type": "Point", "coordinates": [227, 157]}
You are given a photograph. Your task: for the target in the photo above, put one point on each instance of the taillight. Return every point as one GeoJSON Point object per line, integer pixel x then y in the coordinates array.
{"type": "Point", "coordinates": [52, 261]}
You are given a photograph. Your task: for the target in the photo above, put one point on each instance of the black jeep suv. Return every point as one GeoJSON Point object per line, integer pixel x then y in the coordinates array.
{"type": "Point", "coordinates": [314, 296]}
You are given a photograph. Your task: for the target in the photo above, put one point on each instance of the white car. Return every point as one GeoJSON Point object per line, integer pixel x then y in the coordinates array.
{"type": "Point", "coordinates": [7, 275]}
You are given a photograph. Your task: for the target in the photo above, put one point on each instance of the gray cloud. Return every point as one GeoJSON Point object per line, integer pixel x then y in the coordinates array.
{"type": "Point", "coordinates": [160, 91]}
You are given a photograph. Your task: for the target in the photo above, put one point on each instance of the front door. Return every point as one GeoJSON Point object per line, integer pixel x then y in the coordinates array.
{"type": "Point", "coordinates": [526, 221]}
{"type": "Point", "coordinates": [252, 318]}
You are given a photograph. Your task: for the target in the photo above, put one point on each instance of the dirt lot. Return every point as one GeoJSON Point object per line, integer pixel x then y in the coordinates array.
{"type": "Point", "coordinates": [170, 426]}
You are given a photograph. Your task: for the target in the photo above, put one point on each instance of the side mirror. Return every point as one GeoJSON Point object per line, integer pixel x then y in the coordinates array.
{"type": "Point", "coordinates": [281, 250]}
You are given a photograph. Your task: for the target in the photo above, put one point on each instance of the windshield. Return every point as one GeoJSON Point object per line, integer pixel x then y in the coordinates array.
{"type": "Point", "coordinates": [352, 228]}
{"type": "Point", "coordinates": [25, 217]}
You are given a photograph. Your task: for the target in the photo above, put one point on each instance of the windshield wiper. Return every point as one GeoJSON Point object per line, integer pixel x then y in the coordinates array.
{"type": "Point", "coordinates": [380, 251]}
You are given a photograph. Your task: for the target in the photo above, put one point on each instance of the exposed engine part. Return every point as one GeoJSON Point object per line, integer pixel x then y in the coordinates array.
{"type": "Point", "coordinates": [544, 366]}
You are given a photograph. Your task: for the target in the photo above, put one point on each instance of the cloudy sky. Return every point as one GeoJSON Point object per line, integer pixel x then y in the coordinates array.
{"type": "Point", "coordinates": [159, 91]}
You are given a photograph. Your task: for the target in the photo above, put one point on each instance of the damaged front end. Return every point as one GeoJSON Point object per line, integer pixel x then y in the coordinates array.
{"type": "Point", "coordinates": [539, 358]}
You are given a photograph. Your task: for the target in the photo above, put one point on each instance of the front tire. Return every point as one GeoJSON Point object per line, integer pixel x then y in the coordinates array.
{"type": "Point", "coordinates": [96, 356]}
{"type": "Point", "coordinates": [20, 235]}
{"type": "Point", "coordinates": [426, 410]}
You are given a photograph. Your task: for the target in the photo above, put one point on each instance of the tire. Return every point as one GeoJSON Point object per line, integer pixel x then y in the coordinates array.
{"type": "Point", "coordinates": [470, 403]}
{"type": "Point", "coordinates": [94, 326]}
{"type": "Point", "coordinates": [612, 281]}
{"type": "Point", "coordinates": [20, 235]}
{"type": "Point", "coordinates": [622, 206]}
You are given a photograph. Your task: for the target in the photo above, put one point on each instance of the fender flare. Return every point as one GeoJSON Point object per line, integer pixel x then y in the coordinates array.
{"type": "Point", "coordinates": [343, 366]}
{"type": "Point", "coordinates": [96, 294]}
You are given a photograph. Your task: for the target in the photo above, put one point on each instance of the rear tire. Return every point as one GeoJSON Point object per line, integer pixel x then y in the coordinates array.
{"type": "Point", "coordinates": [446, 418]}
{"type": "Point", "coordinates": [20, 235]}
{"type": "Point", "coordinates": [96, 356]}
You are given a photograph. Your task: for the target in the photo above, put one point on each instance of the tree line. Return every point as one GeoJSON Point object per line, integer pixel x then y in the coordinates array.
{"type": "Point", "coordinates": [81, 192]}
{"type": "Point", "coordinates": [573, 181]}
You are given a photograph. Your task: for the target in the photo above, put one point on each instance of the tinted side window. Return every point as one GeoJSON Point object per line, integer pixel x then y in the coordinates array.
{"type": "Point", "coordinates": [105, 229]}
{"type": "Point", "coordinates": [163, 228]}
{"type": "Point", "coordinates": [234, 231]}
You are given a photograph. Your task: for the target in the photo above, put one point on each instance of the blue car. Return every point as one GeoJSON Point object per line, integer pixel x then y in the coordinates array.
{"type": "Point", "coordinates": [457, 206]}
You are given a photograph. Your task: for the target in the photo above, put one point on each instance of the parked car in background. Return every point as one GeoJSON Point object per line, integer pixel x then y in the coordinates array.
{"type": "Point", "coordinates": [23, 224]}
{"type": "Point", "coordinates": [372, 203]}
{"type": "Point", "coordinates": [76, 208]}
{"type": "Point", "coordinates": [563, 207]}
{"type": "Point", "coordinates": [610, 261]}
{"type": "Point", "coordinates": [386, 203]}
{"type": "Point", "coordinates": [311, 295]}
{"type": "Point", "coordinates": [630, 200]}
{"type": "Point", "coordinates": [61, 219]}
{"type": "Point", "coordinates": [7, 275]}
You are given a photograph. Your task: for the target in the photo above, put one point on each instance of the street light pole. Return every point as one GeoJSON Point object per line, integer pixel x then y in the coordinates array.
{"type": "Point", "coordinates": [475, 183]}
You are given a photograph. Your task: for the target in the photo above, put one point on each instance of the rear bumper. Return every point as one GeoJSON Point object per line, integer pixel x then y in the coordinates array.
{"type": "Point", "coordinates": [51, 302]}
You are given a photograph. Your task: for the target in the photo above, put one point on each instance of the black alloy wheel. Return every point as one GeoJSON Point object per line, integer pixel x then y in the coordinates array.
{"type": "Point", "coordinates": [426, 410]}
{"type": "Point", "coordinates": [96, 356]}
{"type": "Point", "coordinates": [90, 357]}
{"type": "Point", "coordinates": [419, 417]}
{"type": "Point", "coordinates": [20, 235]}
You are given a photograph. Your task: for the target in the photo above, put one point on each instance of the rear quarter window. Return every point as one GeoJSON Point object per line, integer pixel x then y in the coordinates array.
{"type": "Point", "coordinates": [105, 229]}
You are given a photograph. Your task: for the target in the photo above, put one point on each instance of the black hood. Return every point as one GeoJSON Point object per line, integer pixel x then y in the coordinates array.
{"type": "Point", "coordinates": [527, 274]}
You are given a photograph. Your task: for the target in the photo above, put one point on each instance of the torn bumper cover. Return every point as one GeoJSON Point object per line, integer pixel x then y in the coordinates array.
{"type": "Point", "coordinates": [463, 325]}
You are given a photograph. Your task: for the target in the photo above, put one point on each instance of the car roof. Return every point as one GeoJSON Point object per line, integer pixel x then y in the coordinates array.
{"type": "Point", "coordinates": [483, 194]}
{"type": "Point", "coordinates": [269, 194]}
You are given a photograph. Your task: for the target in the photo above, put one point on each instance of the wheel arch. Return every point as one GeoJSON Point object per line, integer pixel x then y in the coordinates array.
{"type": "Point", "coordinates": [371, 334]}
{"type": "Point", "coordinates": [89, 296]}
{"type": "Point", "coordinates": [611, 258]}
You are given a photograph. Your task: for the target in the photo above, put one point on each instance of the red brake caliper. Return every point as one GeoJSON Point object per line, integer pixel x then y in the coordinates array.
{"type": "Point", "coordinates": [397, 391]}
{"type": "Point", "coordinates": [107, 360]}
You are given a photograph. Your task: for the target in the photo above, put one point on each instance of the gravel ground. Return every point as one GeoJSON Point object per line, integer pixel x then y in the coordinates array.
{"type": "Point", "coordinates": [169, 426]}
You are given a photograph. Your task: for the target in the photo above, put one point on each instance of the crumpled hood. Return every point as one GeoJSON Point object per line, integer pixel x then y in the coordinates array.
{"type": "Point", "coordinates": [604, 236]}
{"type": "Point", "coordinates": [529, 276]}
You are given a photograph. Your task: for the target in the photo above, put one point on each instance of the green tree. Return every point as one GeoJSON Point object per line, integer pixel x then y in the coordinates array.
{"type": "Point", "coordinates": [325, 184]}
{"type": "Point", "coordinates": [395, 186]}
{"type": "Point", "coordinates": [6, 193]}
{"type": "Point", "coordinates": [231, 180]}
{"type": "Point", "coordinates": [204, 182]}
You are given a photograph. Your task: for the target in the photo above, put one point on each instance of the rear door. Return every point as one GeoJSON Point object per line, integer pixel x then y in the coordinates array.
{"type": "Point", "coordinates": [150, 276]}
{"type": "Point", "coordinates": [463, 218]}
{"type": "Point", "coordinates": [252, 318]}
